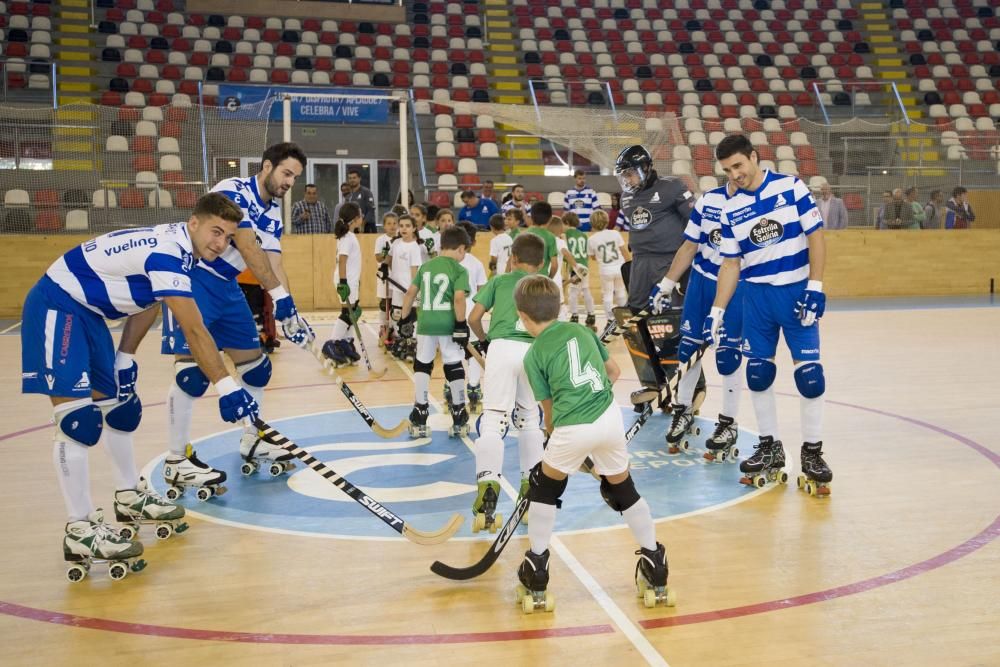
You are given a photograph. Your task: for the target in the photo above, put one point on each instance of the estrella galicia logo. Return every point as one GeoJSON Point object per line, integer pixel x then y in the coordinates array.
{"type": "Point", "coordinates": [766, 232]}
{"type": "Point", "coordinates": [715, 238]}
{"type": "Point", "coordinates": [641, 217]}
{"type": "Point", "coordinates": [232, 103]}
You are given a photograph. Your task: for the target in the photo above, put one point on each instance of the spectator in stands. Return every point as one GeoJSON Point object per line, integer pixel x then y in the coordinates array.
{"type": "Point", "coordinates": [918, 209]}
{"type": "Point", "coordinates": [581, 200]}
{"type": "Point", "coordinates": [477, 210]}
{"type": "Point", "coordinates": [832, 208]}
{"type": "Point", "coordinates": [935, 211]}
{"type": "Point", "coordinates": [345, 190]}
{"type": "Point", "coordinates": [960, 206]}
{"type": "Point", "coordinates": [363, 197]}
{"type": "Point", "coordinates": [517, 201]}
{"type": "Point", "coordinates": [309, 215]}
{"type": "Point", "coordinates": [489, 192]}
{"type": "Point", "coordinates": [898, 214]}
{"type": "Point", "coordinates": [614, 215]}
{"type": "Point", "coordinates": [880, 216]}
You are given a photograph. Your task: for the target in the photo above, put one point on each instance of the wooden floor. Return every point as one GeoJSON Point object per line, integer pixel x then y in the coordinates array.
{"type": "Point", "coordinates": [899, 566]}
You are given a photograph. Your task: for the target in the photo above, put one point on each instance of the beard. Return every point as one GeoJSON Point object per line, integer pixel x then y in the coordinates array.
{"type": "Point", "coordinates": [273, 189]}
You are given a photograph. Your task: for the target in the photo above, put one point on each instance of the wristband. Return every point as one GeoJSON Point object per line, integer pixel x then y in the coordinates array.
{"type": "Point", "coordinates": [814, 286]}
{"type": "Point", "coordinates": [226, 385]}
{"type": "Point", "coordinates": [278, 293]}
{"type": "Point", "coordinates": [123, 360]}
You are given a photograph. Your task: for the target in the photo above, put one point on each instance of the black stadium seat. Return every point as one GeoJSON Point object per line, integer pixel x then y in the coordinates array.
{"type": "Point", "coordinates": [107, 28]}
{"type": "Point", "coordinates": [381, 80]}
{"type": "Point", "coordinates": [290, 36]}
{"type": "Point", "coordinates": [302, 62]}
{"type": "Point", "coordinates": [223, 46]}
{"type": "Point", "coordinates": [110, 55]}
{"type": "Point", "coordinates": [159, 43]}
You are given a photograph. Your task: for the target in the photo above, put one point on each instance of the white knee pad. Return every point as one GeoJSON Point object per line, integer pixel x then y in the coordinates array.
{"type": "Point", "coordinates": [493, 422]}
{"type": "Point", "coordinates": [527, 418]}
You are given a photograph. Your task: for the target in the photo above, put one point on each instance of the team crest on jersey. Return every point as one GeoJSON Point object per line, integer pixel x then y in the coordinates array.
{"type": "Point", "coordinates": [641, 217]}
{"type": "Point", "coordinates": [766, 232]}
{"type": "Point", "coordinates": [715, 238]}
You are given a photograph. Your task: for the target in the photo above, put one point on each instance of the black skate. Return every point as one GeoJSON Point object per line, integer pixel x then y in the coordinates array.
{"type": "Point", "coordinates": [459, 421]}
{"type": "Point", "coordinates": [418, 421]}
{"type": "Point", "coordinates": [534, 577]}
{"type": "Point", "coordinates": [591, 322]}
{"type": "Point", "coordinates": [484, 508]}
{"type": "Point", "coordinates": [347, 347]}
{"type": "Point", "coordinates": [475, 396]}
{"type": "Point", "coordinates": [188, 471]}
{"type": "Point", "coordinates": [681, 427]}
{"type": "Point", "coordinates": [575, 319]}
{"type": "Point", "coordinates": [722, 443]}
{"type": "Point", "coordinates": [651, 577]}
{"type": "Point", "coordinates": [816, 474]}
{"type": "Point", "coordinates": [765, 465]}
{"type": "Point", "coordinates": [334, 355]}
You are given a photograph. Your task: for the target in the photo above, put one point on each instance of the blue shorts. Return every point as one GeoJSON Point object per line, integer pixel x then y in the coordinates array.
{"type": "Point", "coordinates": [66, 349]}
{"type": "Point", "coordinates": [698, 301]}
{"type": "Point", "coordinates": [224, 310]}
{"type": "Point", "coordinates": [770, 308]}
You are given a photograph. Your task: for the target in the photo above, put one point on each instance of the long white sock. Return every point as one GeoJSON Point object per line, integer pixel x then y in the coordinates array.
{"type": "Point", "coordinates": [588, 299]}
{"type": "Point", "coordinates": [574, 298]}
{"type": "Point", "coordinates": [529, 449]}
{"type": "Point", "coordinates": [475, 372]}
{"type": "Point", "coordinates": [457, 390]}
{"type": "Point", "coordinates": [607, 294]}
{"type": "Point", "coordinates": [119, 446]}
{"type": "Point", "coordinates": [180, 405]}
{"type": "Point", "coordinates": [73, 471]}
{"type": "Point", "coordinates": [339, 329]}
{"type": "Point", "coordinates": [811, 412]}
{"type": "Point", "coordinates": [767, 412]}
{"type": "Point", "coordinates": [489, 458]}
{"type": "Point", "coordinates": [543, 521]}
{"type": "Point", "coordinates": [421, 383]}
{"type": "Point", "coordinates": [640, 522]}
{"type": "Point", "coordinates": [732, 390]}
{"type": "Point", "coordinates": [688, 383]}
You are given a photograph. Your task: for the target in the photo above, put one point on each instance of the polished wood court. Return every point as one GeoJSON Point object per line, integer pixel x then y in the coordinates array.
{"type": "Point", "coordinates": [899, 566]}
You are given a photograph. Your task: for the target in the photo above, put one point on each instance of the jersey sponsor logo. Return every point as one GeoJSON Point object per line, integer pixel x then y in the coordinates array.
{"type": "Point", "coordinates": [131, 244]}
{"type": "Point", "coordinates": [641, 217]}
{"type": "Point", "coordinates": [715, 238]}
{"type": "Point", "coordinates": [766, 232]}
{"type": "Point", "coordinates": [661, 329]}
{"type": "Point", "coordinates": [655, 198]}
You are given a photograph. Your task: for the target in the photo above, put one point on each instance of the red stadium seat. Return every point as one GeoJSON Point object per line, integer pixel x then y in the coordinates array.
{"type": "Point", "coordinates": [444, 166]}
{"type": "Point", "coordinates": [48, 221]}
{"type": "Point", "coordinates": [131, 198]}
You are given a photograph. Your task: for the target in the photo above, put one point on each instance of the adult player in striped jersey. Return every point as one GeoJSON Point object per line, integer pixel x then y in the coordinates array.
{"type": "Point", "coordinates": [772, 225]}
{"type": "Point", "coordinates": [581, 200]}
{"type": "Point", "coordinates": [257, 245]}
{"type": "Point", "coordinates": [67, 354]}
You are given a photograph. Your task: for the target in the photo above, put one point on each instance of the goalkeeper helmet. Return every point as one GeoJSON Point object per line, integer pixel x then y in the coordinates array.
{"type": "Point", "coordinates": [633, 168]}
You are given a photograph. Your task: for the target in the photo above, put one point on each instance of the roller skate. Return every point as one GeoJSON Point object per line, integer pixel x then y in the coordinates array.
{"type": "Point", "coordinates": [333, 355]}
{"type": "Point", "coordinates": [765, 465]}
{"type": "Point", "coordinates": [259, 454]}
{"type": "Point", "coordinates": [181, 472]}
{"type": "Point", "coordinates": [484, 508]}
{"type": "Point", "coordinates": [522, 492]}
{"type": "Point", "coordinates": [347, 347]}
{"type": "Point", "coordinates": [651, 577]}
{"type": "Point", "coordinates": [591, 322]}
{"type": "Point", "coordinates": [683, 425]}
{"type": "Point", "coordinates": [474, 394]}
{"type": "Point", "coordinates": [534, 577]}
{"type": "Point", "coordinates": [459, 420]}
{"type": "Point", "coordinates": [574, 318]}
{"type": "Point", "coordinates": [90, 540]}
{"type": "Point", "coordinates": [418, 421]}
{"type": "Point", "coordinates": [816, 474]}
{"type": "Point", "coordinates": [140, 505]}
{"type": "Point", "coordinates": [722, 443]}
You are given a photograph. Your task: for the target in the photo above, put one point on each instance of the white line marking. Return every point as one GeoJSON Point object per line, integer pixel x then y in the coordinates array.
{"type": "Point", "coordinates": [10, 328]}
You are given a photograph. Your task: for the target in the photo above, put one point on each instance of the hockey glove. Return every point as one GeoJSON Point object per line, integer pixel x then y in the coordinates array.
{"type": "Point", "coordinates": [298, 331]}
{"type": "Point", "coordinates": [713, 332]}
{"type": "Point", "coordinates": [128, 372]}
{"type": "Point", "coordinates": [481, 346]}
{"type": "Point", "coordinates": [284, 307]}
{"type": "Point", "coordinates": [382, 271]}
{"type": "Point", "coordinates": [235, 402]}
{"type": "Point", "coordinates": [659, 296]}
{"type": "Point", "coordinates": [812, 304]}
{"type": "Point", "coordinates": [406, 328]}
{"type": "Point", "coordinates": [343, 290]}
{"type": "Point", "coordinates": [579, 274]}
{"type": "Point", "coordinates": [461, 334]}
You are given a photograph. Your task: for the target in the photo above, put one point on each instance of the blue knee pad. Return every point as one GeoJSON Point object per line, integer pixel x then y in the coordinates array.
{"type": "Point", "coordinates": [83, 424]}
{"type": "Point", "coordinates": [124, 416]}
{"type": "Point", "coordinates": [619, 497]}
{"type": "Point", "coordinates": [809, 379]}
{"type": "Point", "coordinates": [543, 489]}
{"type": "Point", "coordinates": [256, 373]}
{"type": "Point", "coordinates": [190, 378]}
{"type": "Point", "coordinates": [687, 348]}
{"type": "Point", "coordinates": [454, 371]}
{"type": "Point", "coordinates": [760, 374]}
{"type": "Point", "coordinates": [728, 360]}
{"type": "Point", "coordinates": [423, 366]}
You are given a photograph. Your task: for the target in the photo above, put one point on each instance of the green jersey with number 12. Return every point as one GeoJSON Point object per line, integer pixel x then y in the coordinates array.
{"type": "Point", "coordinates": [438, 280]}
{"type": "Point", "coordinates": [497, 296]}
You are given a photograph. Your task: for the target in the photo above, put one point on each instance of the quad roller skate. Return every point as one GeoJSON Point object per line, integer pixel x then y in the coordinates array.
{"type": "Point", "coordinates": [91, 540]}
{"type": "Point", "coordinates": [258, 454]}
{"type": "Point", "coordinates": [765, 464]}
{"type": "Point", "coordinates": [459, 421]}
{"type": "Point", "coordinates": [475, 396]}
{"type": "Point", "coordinates": [134, 507]}
{"type": "Point", "coordinates": [651, 577]}
{"type": "Point", "coordinates": [681, 427]}
{"type": "Point", "coordinates": [418, 421]}
{"type": "Point", "coordinates": [182, 472]}
{"type": "Point", "coordinates": [534, 577]}
{"type": "Point", "coordinates": [484, 508]}
{"type": "Point", "coordinates": [574, 318]}
{"type": "Point", "coordinates": [591, 322]}
{"type": "Point", "coordinates": [722, 443]}
{"type": "Point", "coordinates": [333, 355]}
{"type": "Point", "coordinates": [346, 346]}
{"type": "Point", "coordinates": [816, 474]}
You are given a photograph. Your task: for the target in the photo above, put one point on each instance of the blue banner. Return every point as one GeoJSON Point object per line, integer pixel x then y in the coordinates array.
{"type": "Point", "coordinates": [244, 102]}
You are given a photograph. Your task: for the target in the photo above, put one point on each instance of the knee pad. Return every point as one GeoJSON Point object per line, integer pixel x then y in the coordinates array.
{"type": "Point", "coordinates": [760, 374]}
{"type": "Point", "coordinates": [687, 348]}
{"type": "Point", "coordinates": [544, 489]}
{"type": "Point", "coordinates": [122, 416]}
{"type": "Point", "coordinates": [493, 422]}
{"type": "Point", "coordinates": [809, 379]}
{"type": "Point", "coordinates": [256, 373]}
{"type": "Point", "coordinates": [527, 418]}
{"type": "Point", "coordinates": [454, 371]}
{"type": "Point", "coordinates": [619, 497]}
{"type": "Point", "coordinates": [396, 313]}
{"type": "Point", "coordinates": [728, 360]}
{"type": "Point", "coordinates": [190, 378]}
{"type": "Point", "coordinates": [80, 422]}
{"type": "Point", "coordinates": [423, 366]}
{"type": "Point", "coordinates": [345, 316]}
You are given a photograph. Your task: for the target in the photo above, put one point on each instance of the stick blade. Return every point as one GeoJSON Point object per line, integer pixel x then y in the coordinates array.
{"type": "Point", "coordinates": [437, 537]}
{"type": "Point", "coordinates": [389, 433]}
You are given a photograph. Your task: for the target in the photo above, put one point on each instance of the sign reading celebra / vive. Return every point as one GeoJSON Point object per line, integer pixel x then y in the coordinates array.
{"type": "Point", "coordinates": [307, 105]}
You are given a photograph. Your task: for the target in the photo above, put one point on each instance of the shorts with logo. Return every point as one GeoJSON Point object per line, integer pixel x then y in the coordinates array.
{"type": "Point", "coordinates": [505, 384]}
{"type": "Point", "coordinates": [698, 300]}
{"type": "Point", "coordinates": [603, 441]}
{"type": "Point", "coordinates": [66, 349]}
{"type": "Point", "coordinates": [768, 309]}
{"type": "Point", "coordinates": [224, 310]}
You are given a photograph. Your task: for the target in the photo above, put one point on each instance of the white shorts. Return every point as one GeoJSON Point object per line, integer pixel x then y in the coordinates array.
{"type": "Point", "coordinates": [355, 292]}
{"type": "Point", "coordinates": [450, 351]}
{"type": "Point", "coordinates": [380, 288]}
{"type": "Point", "coordinates": [397, 297]}
{"type": "Point", "coordinates": [504, 382]}
{"type": "Point", "coordinates": [603, 441]}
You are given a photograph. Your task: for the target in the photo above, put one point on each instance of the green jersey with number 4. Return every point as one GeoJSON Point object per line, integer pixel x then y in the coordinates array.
{"type": "Point", "coordinates": [551, 248]}
{"type": "Point", "coordinates": [577, 243]}
{"type": "Point", "coordinates": [497, 296]}
{"type": "Point", "coordinates": [566, 364]}
{"type": "Point", "coordinates": [438, 280]}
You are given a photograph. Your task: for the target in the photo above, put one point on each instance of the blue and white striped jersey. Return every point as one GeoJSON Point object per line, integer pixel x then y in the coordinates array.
{"type": "Point", "coordinates": [583, 203]}
{"type": "Point", "coordinates": [704, 229]}
{"type": "Point", "coordinates": [124, 272]}
{"type": "Point", "coordinates": [263, 218]}
{"type": "Point", "coordinates": [768, 229]}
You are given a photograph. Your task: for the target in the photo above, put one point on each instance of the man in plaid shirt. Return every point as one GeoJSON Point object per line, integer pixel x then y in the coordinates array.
{"type": "Point", "coordinates": [310, 216]}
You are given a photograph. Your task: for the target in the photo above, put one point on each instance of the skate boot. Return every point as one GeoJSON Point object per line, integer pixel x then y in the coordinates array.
{"type": "Point", "coordinates": [459, 421]}
{"type": "Point", "coordinates": [591, 322]}
{"type": "Point", "coordinates": [418, 421]}
{"type": "Point", "coordinates": [681, 427]}
{"type": "Point", "coordinates": [765, 465]}
{"type": "Point", "coordinates": [534, 577]}
{"type": "Point", "coordinates": [140, 505]}
{"type": "Point", "coordinates": [484, 508]}
{"type": "Point", "coordinates": [651, 577]}
{"type": "Point", "coordinates": [816, 474]}
{"type": "Point", "coordinates": [574, 318]}
{"type": "Point", "coordinates": [181, 472]}
{"type": "Point", "coordinates": [346, 346]}
{"type": "Point", "coordinates": [90, 540]}
{"type": "Point", "coordinates": [259, 454]}
{"type": "Point", "coordinates": [333, 355]}
{"type": "Point", "coordinates": [722, 443]}
{"type": "Point", "coordinates": [475, 396]}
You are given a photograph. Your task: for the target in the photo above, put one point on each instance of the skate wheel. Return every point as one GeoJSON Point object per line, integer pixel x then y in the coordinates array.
{"type": "Point", "coordinates": [173, 493]}
{"type": "Point", "coordinates": [810, 488]}
{"type": "Point", "coordinates": [248, 469]}
{"type": "Point", "coordinates": [117, 571]}
{"type": "Point", "coordinates": [497, 522]}
{"type": "Point", "coordinates": [783, 477]}
{"type": "Point", "coordinates": [671, 598]}
{"type": "Point", "coordinates": [550, 602]}
{"type": "Point", "coordinates": [76, 573]}
{"type": "Point", "coordinates": [478, 522]}
{"type": "Point", "coordinates": [204, 493]}
{"type": "Point", "coordinates": [164, 531]}
{"type": "Point", "coordinates": [127, 532]}
{"type": "Point", "coordinates": [759, 481]}
{"type": "Point", "coordinates": [276, 469]}
{"type": "Point", "coordinates": [800, 481]}
{"type": "Point", "coordinates": [696, 430]}
{"type": "Point", "coordinates": [528, 604]}
{"type": "Point", "coordinates": [685, 445]}
{"type": "Point", "coordinates": [640, 586]}
{"type": "Point", "coordinates": [649, 598]}
{"type": "Point", "coordinates": [735, 453]}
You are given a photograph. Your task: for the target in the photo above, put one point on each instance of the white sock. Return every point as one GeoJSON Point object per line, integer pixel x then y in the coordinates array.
{"type": "Point", "coordinates": [339, 329]}
{"type": "Point", "coordinates": [688, 383]}
{"type": "Point", "coordinates": [180, 405]}
{"type": "Point", "coordinates": [640, 522]}
{"type": "Point", "coordinates": [811, 412]}
{"type": "Point", "coordinates": [257, 393]}
{"type": "Point", "coordinates": [421, 382]}
{"type": "Point", "coordinates": [732, 390]}
{"type": "Point", "coordinates": [543, 521]}
{"type": "Point", "coordinates": [489, 458]}
{"type": "Point", "coordinates": [529, 449]}
{"type": "Point", "coordinates": [767, 412]}
{"type": "Point", "coordinates": [457, 390]}
{"type": "Point", "coordinates": [475, 373]}
{"type": "Point", "coordinates": [118, 445]}
{"type": "Point", "coordinates": [588, 300]}
{"type": "Point", "coordinates": [73, 471]}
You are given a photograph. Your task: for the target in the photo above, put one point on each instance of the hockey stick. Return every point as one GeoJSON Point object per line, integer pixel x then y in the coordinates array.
{"type": "Point", "coordinates": [475, 355]}
{"type": "Point", "coordinates": [416, 536]}
{"type": "Point", "coordinates": [364, 350]}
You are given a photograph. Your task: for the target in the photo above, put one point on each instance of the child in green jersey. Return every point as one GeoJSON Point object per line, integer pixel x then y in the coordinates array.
{"type": "Point", "coordinates": [442, 284]}
{"type": "Point", "coordinates": [571, 375]}
{"type": "Point", "coordinates": [578, 281]}
{"type": "Point", "coordinates": [541, 213]}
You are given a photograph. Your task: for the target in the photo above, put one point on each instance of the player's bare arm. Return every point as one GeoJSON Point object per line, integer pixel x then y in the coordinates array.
{"type": "Point", "coordinates": [613, 370]}
{"type": "Point", "coordinates": [135, 329]}
{"type": "Point", "coordinates": [203, 347]}
{"type": "Point", "coordinates": [459, 304]}
{"type": "Point", "coordinates": [729, 278]}
{"type": "Point", "coordinates": [476, 321]}
{"type": "Point", "coordinates": [278, 266]}
{"type": "Point", "coordinates": [256, 259]}
{"type": "Point", "coordinates": [817, 255]}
